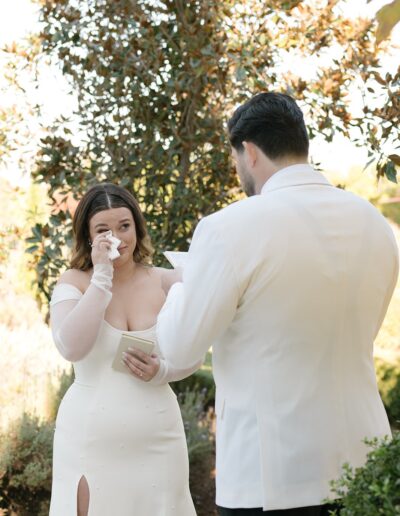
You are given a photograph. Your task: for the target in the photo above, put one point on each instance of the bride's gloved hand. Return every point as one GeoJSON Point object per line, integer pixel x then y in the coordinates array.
{"type": "Point", "coordinates": [101, 247]}
{"type": "Point", "coordinates": [141, 365]}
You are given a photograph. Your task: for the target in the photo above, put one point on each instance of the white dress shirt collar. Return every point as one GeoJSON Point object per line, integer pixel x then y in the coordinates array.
{"type": "Point", "coordinates": [294, 175]}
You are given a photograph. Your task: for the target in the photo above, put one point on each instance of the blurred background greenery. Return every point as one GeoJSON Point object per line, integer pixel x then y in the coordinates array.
{"type": "Point", "coordinates": [141, 94]}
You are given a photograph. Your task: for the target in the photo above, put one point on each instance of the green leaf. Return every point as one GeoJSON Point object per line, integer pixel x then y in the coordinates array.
{"type": "Point", "coordinates": [32, 240]}
{"type": "Point", "coordinates": [37, 231]}
{"type": "Point", "coordinates": [241, 73]}
{"type": "Point", "coordinates": [390, 172]}
{"type": "Point", "coordinates": [388, 16]}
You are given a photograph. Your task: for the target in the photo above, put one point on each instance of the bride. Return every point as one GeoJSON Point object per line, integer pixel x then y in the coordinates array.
{"type": "Point", "coordinates": [119, 444]}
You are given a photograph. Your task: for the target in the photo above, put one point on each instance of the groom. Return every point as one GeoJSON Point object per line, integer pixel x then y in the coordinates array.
{"type": "Point", "coordinates": [290, 287]}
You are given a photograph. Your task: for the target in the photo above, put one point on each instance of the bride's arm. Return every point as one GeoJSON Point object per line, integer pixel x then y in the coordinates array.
{"type": "Point", "coordinates": [167, 373]}
{"type": "Point", "coordinates": [75, 317]}
{"type": "Point", "coordinates": [155, 369]}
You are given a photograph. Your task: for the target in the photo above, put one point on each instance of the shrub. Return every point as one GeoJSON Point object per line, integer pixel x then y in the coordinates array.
{"type": "Point", "coordinates": [26, 466]}
{"type": "Point", "coordinates": [197, 424]}
{"type": "Point", "coordinates": [55, 395]}
{"type": "Point", "coordinates": [375, 488]}
{"type": "Point", "coordinates": [202, 380]}
{"type": "Point", "coordinates": [388, 375]}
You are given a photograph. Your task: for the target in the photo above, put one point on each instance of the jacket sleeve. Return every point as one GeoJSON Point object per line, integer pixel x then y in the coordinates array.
{"type": "Point", "coordinates": [200, 308]}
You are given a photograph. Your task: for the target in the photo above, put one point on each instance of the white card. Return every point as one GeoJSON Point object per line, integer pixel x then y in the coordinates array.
{"type": "Point", "coordinates": [176, 258]}
{"type": "Point", "coordinates": [130, 341]}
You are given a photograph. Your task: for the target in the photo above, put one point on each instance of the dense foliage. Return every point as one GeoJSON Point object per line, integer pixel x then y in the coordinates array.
{"type": "Point", "coordinates": [388, 375]}
{"type": "Point", "coordinates": [25, 466]}
{"type": "Point", "coordinates": [373, 490]}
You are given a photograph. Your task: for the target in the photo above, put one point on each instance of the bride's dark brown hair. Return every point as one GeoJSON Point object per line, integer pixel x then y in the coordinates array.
{"type": "Point", "coordinates": [104, 197]}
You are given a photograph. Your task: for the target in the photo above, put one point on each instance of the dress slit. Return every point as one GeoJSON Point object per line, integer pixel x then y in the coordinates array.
{"type": "Point", "coordinates": [84, 485]}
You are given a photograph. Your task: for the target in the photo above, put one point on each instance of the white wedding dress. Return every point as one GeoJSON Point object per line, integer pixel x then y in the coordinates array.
{"type": "Point", "coordinates": [125, 436]}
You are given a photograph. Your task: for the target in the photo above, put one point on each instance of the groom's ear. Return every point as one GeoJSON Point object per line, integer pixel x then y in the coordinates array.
{"type": "Point", "coordinates": [250, 151]}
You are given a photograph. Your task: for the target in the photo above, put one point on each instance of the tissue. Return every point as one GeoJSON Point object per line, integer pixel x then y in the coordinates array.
{"type": "Point", "coordinates": [115, 242]}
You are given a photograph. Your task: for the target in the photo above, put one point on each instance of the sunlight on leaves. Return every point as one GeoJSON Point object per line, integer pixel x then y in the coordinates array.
{"type": "Point", "coordinates": [388, 16]}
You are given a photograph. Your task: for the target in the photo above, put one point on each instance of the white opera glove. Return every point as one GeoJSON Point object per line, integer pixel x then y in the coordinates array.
{"type": "Point", "coordinates": [76, 318]}
{"type": "Point", "coordinates": [167, 373]}
{"type": "Point", "coordinates": [103, 275]}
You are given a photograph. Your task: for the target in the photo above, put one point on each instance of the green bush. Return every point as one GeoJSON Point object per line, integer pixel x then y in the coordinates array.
{"type": "Point", "coordinates": [197, 424]}
{"type": "Point", "coordinates": [26, 466]}
{"type": "Point", "coordinates": [388, 375]}
{"type": "Point", "coordinates": [375, 488]}
{"type": "Point", "coordinates": [55, 395]}
{"type": "Point", "coordinates": [202, 380]}
{"type": "Point", "coordinates": [26, 457]}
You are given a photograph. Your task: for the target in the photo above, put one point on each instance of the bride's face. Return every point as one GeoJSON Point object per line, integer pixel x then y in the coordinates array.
{"type": "Point", "coordinates": [120, 222]}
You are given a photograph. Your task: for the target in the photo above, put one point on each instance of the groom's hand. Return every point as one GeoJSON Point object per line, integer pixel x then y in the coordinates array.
{"type": "Point", "coordinates": [169, 277]}
{"type": "Point", "coordinates": [141, 365]}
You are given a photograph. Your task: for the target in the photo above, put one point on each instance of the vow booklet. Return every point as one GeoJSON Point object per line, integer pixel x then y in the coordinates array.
{"type": "Point", "coordinates": [130, 341]}
{"type": "Point", "coordinates": [176, 258]}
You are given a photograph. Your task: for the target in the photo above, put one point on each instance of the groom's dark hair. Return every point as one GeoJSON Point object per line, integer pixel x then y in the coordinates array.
{"type": "Point", "coordinates": [273, 122]}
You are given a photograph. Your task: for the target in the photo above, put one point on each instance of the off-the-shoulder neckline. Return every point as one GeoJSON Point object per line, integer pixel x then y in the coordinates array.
{"type": "Point", "coordinates": [106, 322]}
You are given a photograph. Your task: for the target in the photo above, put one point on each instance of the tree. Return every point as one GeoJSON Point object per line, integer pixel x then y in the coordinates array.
{"type": "Point", "coordinates": [18, 113]}
{"type": "Point", "coordinates": [155, 81]}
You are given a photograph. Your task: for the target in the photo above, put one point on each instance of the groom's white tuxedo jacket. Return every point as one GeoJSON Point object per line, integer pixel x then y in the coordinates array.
{"type": "Point", "coordinates": [290, 288]}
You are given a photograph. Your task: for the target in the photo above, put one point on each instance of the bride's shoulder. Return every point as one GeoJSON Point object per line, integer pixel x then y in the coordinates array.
{"type": "Point", "coordinates": [77, 278]}
{"type": "Point", "coordinates": [163, 274]}
{"type": "Point", "coordinates": [162, 271]}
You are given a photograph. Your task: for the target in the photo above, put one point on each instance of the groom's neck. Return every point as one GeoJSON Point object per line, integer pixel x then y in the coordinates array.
{"type": "Point", "coordinates": [270, 167]}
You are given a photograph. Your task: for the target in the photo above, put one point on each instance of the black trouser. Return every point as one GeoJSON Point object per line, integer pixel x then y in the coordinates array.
{"type": "Point", "coordinates": [316, 510]}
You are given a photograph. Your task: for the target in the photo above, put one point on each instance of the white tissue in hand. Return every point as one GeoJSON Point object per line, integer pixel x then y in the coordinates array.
{"type": "Point", "coordinates": [113, 253]}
